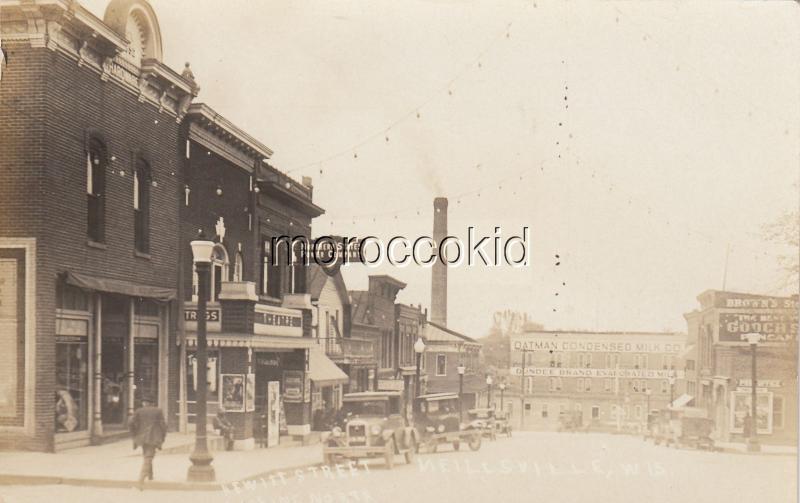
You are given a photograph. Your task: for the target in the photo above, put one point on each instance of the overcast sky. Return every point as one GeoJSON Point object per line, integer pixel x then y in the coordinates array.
{"type": "Point", "coordinates": [679, 135]}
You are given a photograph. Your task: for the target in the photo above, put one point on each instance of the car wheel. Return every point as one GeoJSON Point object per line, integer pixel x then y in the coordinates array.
{"type": "Point", "coordinates": [456, 445]}
{"type": "Point", "coordinates": [475, 442]}
{"type": "Point", "coordinates": [389, 456]}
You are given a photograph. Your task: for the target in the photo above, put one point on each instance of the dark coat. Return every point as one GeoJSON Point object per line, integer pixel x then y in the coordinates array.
{"type": "Point", "coordinates": [148, 427]}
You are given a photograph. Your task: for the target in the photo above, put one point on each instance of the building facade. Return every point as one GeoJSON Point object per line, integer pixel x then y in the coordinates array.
{"type": "Point", "coordinates": [445, 351]}
{"type": "Point", "coordinates": [611, 379]}
{"type": "Point", "coordinates": [89, 124]}
{"type": "Point", "coordinates": [723, 376]}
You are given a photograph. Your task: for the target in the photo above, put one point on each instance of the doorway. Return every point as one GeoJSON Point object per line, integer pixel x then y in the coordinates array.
{"type": "Point", "coordinates": [114, 385]}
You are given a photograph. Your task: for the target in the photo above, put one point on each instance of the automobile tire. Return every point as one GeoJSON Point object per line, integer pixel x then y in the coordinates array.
{"type": "Point", "coordinates": [389, 455]}
{"type": "Point", "coordinates": [456, 445]}
{"type": "Point", "coordinates": [475, 442]}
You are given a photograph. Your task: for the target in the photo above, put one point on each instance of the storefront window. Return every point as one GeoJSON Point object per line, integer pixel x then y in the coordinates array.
{"type": "Point", "coordinates": [71, 386]}
{"type": "Point", "coordinates": [777, 412]}
{"type": "Point", "coordinates": [145, 370]}
{"type": "Point", "coordinates": [212, 374]}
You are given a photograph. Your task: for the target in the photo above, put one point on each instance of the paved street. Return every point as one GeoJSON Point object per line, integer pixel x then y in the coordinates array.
{"type": "Point", "coordinates": [529, 467]}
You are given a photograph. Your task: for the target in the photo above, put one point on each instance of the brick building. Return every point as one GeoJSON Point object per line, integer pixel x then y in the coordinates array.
{"type": "Point", "coordinates": [89, 130]}
{"type": "Point", "coordinates": [445, 350]}
{"type": "Point", "coordinates": [722, 377]}
{"type": "Point", "coordinates": [611, 378]}
{"type": "Point", "coordinates": [260, 314]}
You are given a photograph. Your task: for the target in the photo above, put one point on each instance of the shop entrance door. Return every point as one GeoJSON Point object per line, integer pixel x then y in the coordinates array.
{"type": "Point", "coordinates": [113, 397]}
{"type": "Point", "coordinates": [145, 371]}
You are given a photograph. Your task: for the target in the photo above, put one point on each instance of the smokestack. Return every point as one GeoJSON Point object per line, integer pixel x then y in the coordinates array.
{"type": "Point", "coordinates": [439, 269]}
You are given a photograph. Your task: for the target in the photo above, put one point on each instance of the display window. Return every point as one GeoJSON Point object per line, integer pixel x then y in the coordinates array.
{"type": "Point", "coordinates": [71, 386]}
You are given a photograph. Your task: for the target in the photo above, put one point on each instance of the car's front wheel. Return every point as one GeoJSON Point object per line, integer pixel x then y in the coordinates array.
{"type": "Point", "coordinates": [412, 448]}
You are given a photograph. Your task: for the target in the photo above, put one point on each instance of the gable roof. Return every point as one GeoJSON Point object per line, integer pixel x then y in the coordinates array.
{"type": "Point", "coordinates": [359, 307]}
{"type": "Point", "coordinates": [438, 333]}
{"type": "Point", "coordinates": [316, 278]}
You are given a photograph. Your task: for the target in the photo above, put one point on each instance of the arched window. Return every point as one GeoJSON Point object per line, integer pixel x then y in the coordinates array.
{"type": "Point", "coordinates": [96, 162]}
{"type": "Point", "coordinates": [238, 264]}
{"type": "Point", "coordinates": [142, 180]}
{"type": "Point", "coordinates": [219, 273]}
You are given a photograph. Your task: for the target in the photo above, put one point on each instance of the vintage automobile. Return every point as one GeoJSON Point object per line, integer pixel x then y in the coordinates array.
{"type": "Point", "coordinates": [436, 419]}
{"type": "Point", "coordinates": [502, 423]}
{"type": "Point", "coordinates": [570, 420]}
{"type": "Point", "coordinates": [695, 428]}
{"type": "Point", "coordinates": [370, 424]}
{"type": "Point", "coordinates": [484, 420]}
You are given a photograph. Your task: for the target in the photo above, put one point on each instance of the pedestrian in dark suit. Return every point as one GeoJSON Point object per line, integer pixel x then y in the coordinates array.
{"type": "Point", "coordinates": [148, 427]}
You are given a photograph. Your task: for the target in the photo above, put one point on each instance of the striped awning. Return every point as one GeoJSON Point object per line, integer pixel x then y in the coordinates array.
{"type": "Point", "coordinates": [251, 341]}
{"type": "Point", "coordinates": [322, 369]}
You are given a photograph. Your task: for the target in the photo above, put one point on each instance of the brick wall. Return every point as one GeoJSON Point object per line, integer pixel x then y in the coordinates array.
{"type": "Point", "coordinates": [49, 103]}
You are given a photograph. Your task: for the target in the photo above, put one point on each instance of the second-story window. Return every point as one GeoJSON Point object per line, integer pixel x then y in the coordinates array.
{"type": "Point", "coordinates": [95, 191]}
{"type": "Point", "coordinates": [441, 365]}
{"type": "Point", "coordinates": [141, 206]}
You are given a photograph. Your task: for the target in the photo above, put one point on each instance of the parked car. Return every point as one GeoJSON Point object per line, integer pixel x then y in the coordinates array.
{"type": "Point", "coordinates": [436, 418]}
{"type": "Point", "coordinates": [371, 424]}
{"type": "Point", "coordinates": [570, 420]}
{"type": "Point", "coordinates": [501, 423]}
{"type": "Point", "coordinates": [484, 420]}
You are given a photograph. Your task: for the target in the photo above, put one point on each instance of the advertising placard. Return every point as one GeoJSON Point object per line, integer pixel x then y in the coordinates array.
{"type": "Point", "coordinates": [741, 406]}
{"type": "Point", "coordinates": [232, 392]}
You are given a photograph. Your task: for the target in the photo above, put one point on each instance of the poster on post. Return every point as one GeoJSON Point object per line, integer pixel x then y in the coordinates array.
{"type": "Point", "coordinates": [232, 392]}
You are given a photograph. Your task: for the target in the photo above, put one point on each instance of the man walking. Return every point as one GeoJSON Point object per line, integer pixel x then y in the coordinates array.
{"type": "Point", "coordinates": [148, 427]}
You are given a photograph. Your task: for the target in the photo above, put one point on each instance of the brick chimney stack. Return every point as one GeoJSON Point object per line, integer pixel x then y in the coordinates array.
{"type": "Point", "coordinates": [439, 269]}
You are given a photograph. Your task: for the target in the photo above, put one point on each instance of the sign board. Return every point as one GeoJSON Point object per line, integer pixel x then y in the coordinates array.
{"type": "Point", "coordinates": [391, 385]}
{"type": "Point", "coordinates": [250, 393]}
{"type": "Point", "coordinates": [293, 386]}
{"type": "Point", "coordinates": [761, 383]}
{"type": "Point", "coordinates": [730, 300]}
{"type": "Point", "coordinates": [213, 318]}
{"type": "Point", "coordinates": [741, 406]}
{"type": "Point", "coordinates": [774, 326]}
{"type": "Point", "coordinates": [273, 413]}
{"type": "Point", "coordinates": [600, 373]}
{"type": "Point", "coordinates": [592, 344]}
{"type": "Point", "coordinates": [10, 285]}
{"type": "Point", "coordinates": [271, 320]}
{"type": "Point", "coordinates": [72, 327]}
{"type": "Point", "coordinates": [231, 395]}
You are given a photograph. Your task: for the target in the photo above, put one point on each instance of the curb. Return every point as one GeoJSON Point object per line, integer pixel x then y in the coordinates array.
{"type": "Point", "coordinates": [17, 480]}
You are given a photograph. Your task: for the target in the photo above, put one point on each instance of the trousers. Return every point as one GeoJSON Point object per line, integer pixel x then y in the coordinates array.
{"type": "Point", "coordinates": [148, 453]}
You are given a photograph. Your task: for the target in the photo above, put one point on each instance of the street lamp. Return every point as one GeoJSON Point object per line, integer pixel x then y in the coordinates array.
{"type": "Point", "coordinates": [461, 369]}
{"type": "Point", "coordinates": [647, 392]}
{"type": "Point", "coordinates": [502, 389]}
{"type": "Point", "coordinates": [419, 348]}
{"type": "Point", "coordinates": [671, 387]}
{"type": "Point", "coordinates": [201, 469]}
{"type": "Point", "coordinates": [752, 442]}
{"type": "Point", "coordinates": [488, 391]}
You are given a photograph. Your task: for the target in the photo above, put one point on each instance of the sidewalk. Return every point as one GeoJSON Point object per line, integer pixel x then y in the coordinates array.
{"type": "Point", "coordinates": [117, 465]}
{"type": "Point", "coordinates": [740, 447]}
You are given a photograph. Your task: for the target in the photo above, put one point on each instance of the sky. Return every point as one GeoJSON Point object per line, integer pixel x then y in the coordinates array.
{"type": "Point", "coordinates": [638, 141]}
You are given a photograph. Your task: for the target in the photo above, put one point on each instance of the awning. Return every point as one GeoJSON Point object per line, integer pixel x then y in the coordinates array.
{"type": "Point", "coordinates": [322, 369]}
{"type": "Point", "coordinates": [252, 341]}
{"type": "Point", "coordinates": [681, 401]}
{"type": "Point", "coordinates": [119, 286]}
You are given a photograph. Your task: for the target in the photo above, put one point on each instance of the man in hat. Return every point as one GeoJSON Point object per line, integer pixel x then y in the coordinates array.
{"type": "Point", "coordinates": [148, 428]}
{"type": "Point", "coordinates": [225, 427]}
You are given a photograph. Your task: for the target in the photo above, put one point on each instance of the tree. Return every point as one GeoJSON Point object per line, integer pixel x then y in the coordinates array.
{"type": "Point", "coordinates": [786, 231]}
{"type": "Point", "coordinates": [497, 345]}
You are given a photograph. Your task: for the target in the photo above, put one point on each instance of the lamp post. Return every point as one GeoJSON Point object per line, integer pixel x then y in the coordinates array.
{"type": "Point", "coordinates": [522, 390]}
{"type": "Point", "coordinates": [419, 348]}
{"type": "Point", "coordinates": [502, 387]}
{"type": "Point", "coordinates": [488, 391]}
{"type": "Point", "coordinates": [201, 469]}
{"type": "Point", "coordinates": [461, 369]}
{"type": "Point", "coordinates": [752, 442]}
{"type": "Point", "coordinates": [671, 387]}
{"type": "Point", "coordinates": [647, 392]}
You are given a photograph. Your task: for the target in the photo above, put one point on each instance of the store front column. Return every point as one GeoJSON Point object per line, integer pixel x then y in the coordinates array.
{"type": "Point", "coordinates": [129, 377]}
{"type": "Point", "coordinates": [97, 414]}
